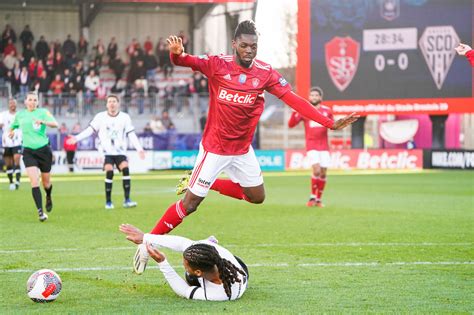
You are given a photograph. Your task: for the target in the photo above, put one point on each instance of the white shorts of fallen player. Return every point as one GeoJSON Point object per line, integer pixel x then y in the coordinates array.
{"type": "Point", "coordinates": [322, 158]}
{"type": "Point", "coordinates": [242, 169]}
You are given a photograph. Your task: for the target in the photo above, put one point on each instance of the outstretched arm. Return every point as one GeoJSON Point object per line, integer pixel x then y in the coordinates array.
{"type": "Point", "coordinates": [135, 235]}
{"type": "Point", "coordinates": [180, 58]}
{"type": "Point", "coordinates": [86, 133]}
{"type": "Point", "coordinates": [470, 57]}
{"type": "Point", "coordinates": [466, 50]}
{"type": "Point", "coordinates": [173, 242]}
{"type": "Point", "coordinates": [303, 107]}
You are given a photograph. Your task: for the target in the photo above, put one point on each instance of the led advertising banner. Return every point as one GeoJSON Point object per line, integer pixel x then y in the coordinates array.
{"type": "Point", "coordinates": [393, 159]}
{"type": "Point", "coordinates": [389, 56]}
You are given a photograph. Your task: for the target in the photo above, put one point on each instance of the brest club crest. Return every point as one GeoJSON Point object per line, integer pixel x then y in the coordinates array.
{"type": "Point", "coordinates": [255, 82]}
{"type": "Point", "coordinates": [342, 59]}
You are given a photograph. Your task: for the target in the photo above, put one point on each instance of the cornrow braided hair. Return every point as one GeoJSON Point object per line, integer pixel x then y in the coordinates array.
{"type": "Point", "coordinates": [245, 27]}
{"type": "Point", "coordinates": [205, 257]}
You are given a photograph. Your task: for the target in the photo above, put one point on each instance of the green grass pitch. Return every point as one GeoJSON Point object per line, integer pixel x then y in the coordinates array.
{"type": "Point", "coordinates": [384, 243]}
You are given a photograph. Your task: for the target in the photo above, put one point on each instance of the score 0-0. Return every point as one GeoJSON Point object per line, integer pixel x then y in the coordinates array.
{"type": "Point", "coordinates": [390, 39]}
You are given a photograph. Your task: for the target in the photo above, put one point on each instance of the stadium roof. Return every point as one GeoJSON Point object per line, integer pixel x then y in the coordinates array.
{"type": "Point", "coordinates": [25, 3]}
{"type": "Point", "coordinates": [89, 9]}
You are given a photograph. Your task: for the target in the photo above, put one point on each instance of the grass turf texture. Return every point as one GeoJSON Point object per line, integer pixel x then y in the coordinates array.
{"type": "Point", "coordinates": [384, 243]}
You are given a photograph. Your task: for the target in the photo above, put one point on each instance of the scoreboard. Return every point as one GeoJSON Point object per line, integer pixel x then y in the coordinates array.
{"type": "Point", "coordinates": [389, 56]}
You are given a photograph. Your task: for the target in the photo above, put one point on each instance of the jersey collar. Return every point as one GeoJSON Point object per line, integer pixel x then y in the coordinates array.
{"type": "Point", "coordinates": [112, 115]}
{"type": "Point", "coordinates": [239, 66]}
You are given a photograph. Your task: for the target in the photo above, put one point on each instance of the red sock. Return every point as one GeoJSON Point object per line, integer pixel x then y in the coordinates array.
{"type": "Point", "coordinates": [321, 183]}
{"type": "Point", "coordinates": [229, 188]}
{"type": "Point", "coordinates": [314, 185]}
{"type": "Point", "coordinates": [171, 219]}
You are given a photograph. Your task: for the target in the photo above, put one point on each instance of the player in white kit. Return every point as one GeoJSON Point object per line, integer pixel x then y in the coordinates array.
{"type": "Point", "coordinates": [113, 127]}
{"type": "Point", "coordinates": [212, 272]}
{"type": "Point", "coordinates": [11, 146]}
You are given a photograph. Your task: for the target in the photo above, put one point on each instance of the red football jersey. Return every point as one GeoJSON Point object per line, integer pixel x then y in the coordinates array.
{"type": "Point", "coordinates": [236, 99]}
{"type": "Point", "coordinates": [316, 135]}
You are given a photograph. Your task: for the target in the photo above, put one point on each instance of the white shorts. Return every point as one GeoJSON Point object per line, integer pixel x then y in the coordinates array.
{"type": "Point", "coordinates": [242, 169]}
{"type": "Point", "coordinates": [319, 157]}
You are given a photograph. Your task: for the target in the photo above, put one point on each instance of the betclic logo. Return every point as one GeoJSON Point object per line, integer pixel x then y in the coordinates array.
{"type": "Point", "coordinates": [233, 97]}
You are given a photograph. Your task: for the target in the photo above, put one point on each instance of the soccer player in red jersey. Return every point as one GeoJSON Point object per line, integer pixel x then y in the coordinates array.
{"type": "Point", "coordinates": [317, 146]}
{"type": "Point", "coordinates": [236, 101]}
{"type": "Point", "coordinates": [466, 50]}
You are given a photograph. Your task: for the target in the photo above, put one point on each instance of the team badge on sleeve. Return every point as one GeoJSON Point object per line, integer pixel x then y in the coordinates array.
{"type": "Point", "coordinates": [205, 57]}
{"type": "Point", "coordinates": [282, 81]}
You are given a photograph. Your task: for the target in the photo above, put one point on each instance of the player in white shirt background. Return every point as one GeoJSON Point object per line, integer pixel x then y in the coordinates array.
{"type": "Point", "coordinates": [213, 273]}
{"type": "Point", "coordinates": [11, 146]}
{"type": "Point", "coordinates": [113, 127]}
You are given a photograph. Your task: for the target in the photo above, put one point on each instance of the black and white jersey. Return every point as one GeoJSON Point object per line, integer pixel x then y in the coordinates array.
{"type": "Point", "coordinates": [206, 290]}
{"type": "Point", "coordinates": [112, 132]}
{"type": "Point", "coordinates": [6, 119]}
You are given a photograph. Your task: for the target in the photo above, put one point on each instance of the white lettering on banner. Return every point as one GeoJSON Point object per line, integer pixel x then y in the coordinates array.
{"type": "Point", "coordinates": [360, 159]}
{"type": "Point", "coordinates": [90, 162]}
{"type": "Point", "coordinates": [233, 97]}
{"type": "Point", "coordinates": [453, 159]}
{"type": "Point", "coordinates": [161, 160]}
{"type": "Point", "coordinates": [93, 161]}
{"type": "Point", "coordinates": [340, 161]}
{"type": "Point", "coordinates": [145, 141]}
{"type": "Point", "coordinates": [184, 161]}
{"type": "Point", "coordinates": [265, 160]}
{"type": "Point", "coordinates": [296, 161]}
{"type": "Point", "coordinates": [391, 108]}
{"type": "Point", "coordinates": [301, 161]}
{"type": "Point", "coordinates": [402, 160]}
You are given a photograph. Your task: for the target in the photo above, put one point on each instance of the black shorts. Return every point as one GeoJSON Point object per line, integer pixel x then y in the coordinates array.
{"type": "Point", "coordinates": [41, 158]}
{"type": "Point", "coordinates": [11, 151]}
{"type": "Point", "coordinates": [114, 159]}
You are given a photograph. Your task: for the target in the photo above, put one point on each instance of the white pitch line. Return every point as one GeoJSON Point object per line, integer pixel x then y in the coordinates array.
{"type": "Point", "coordinates": [260, 265]}
{"type": "Point", "coordinates": [353, 244]}
{"type": "Point", "coordinates": [291, 245]}
{"type": "Point", "coordinates": [20, 251]}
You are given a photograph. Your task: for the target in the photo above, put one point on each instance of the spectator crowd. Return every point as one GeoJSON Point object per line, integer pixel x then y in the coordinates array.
{"type": "Point", "coordinates": [71, 75]}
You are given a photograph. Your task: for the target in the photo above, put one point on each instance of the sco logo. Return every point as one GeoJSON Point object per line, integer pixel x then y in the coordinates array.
{"type": "Point", "coordinates": [437, 45]}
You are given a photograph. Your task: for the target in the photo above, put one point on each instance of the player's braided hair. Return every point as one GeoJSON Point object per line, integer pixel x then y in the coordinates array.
{"type": "Point", "coordinates": [245, 27]}
{"type": "Point", "coordinates": [205, 257]}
